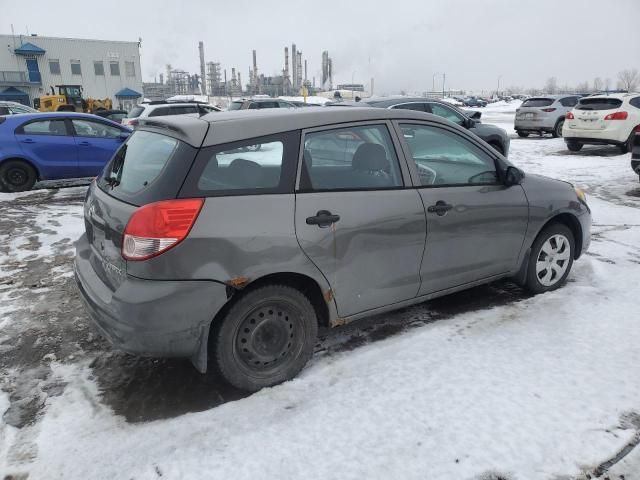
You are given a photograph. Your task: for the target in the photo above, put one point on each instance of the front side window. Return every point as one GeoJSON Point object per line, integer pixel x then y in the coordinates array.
{"type": "Point", "coordinates": [353, 158]}
{"type": "Point", "coordinates": [54, 67]}
{"type": "Point", "coordinates": [98, 68]}
{"type": "Point", "coordinates": [44, 127]}
{"type": "Point", "coordinates": [263, 165]}
{"type": "Point", "coordinates": [446, 112]}
{"type": "Point", "coordinates": [114, 68]}
{"type": "Point", "coordinates": [88, 128]}
{"type": "Point", "coordinates": [446, 158]}
{"type": "Point", "coordinates": [76, 69]}
{"type": "Point", "coordinates": [420, 107]}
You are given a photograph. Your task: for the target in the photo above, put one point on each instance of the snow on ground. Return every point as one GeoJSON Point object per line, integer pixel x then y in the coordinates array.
{"type": "Point", "coordinates": [489, 383]}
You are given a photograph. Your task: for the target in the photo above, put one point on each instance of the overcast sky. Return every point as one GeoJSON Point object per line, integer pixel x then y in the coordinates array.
{"type": "Point", "coordinates": [401, 43]}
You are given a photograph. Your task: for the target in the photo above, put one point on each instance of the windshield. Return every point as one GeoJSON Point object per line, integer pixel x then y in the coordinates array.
{"type": "Point", "coordinates": [599, 104]}
{"type": "Point", "coordinates": [538, 102]}
{"type": "Point", "coordinates": [135, 112]}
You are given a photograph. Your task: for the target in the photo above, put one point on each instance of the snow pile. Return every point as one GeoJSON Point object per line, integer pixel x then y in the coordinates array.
{"type": "Point", "coordinates": [313, 100]}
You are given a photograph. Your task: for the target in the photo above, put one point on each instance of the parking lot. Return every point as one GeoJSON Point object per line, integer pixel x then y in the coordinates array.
{"type": "Point", "coordinates": [484, 384]}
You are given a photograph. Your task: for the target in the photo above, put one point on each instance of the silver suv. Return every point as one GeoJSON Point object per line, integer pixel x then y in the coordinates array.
{"type": "Point", "coordinates": [164, 108]}
{"type": "Point", "coordinates": [544, 114]}
{"type": "Point", "coordinates": [201, 245]}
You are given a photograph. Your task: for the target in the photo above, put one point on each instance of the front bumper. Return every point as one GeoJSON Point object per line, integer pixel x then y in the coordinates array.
{"type": "Point", "coordinates": [150, 317]}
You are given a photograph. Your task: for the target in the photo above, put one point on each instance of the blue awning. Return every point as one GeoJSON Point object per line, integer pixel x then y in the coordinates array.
{"type": "Point", "coordinates": [12, 92]}
{"type": "Point", "coordinates": [29, 49]}
{"type": "Point", "coordinates": [128, 93]}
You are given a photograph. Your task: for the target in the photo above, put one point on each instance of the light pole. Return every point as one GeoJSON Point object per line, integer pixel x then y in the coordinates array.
{"type": "Point", "coordinates": [433, 82]}
{"type": "Point", "coordinates": [352, 76]}
{"type": "Point", "coordinates": [498, 90]}
{"type": "Point", "coordinates": [444, 76]}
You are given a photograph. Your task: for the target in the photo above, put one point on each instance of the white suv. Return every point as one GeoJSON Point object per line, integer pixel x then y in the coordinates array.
{"type": "Point", "coordinates": [164, 108]}
{"type": "Point", "coordinates": [603, 120]}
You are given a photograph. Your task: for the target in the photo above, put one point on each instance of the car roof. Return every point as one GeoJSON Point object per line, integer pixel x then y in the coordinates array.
{"type": "Point", "coordinates": [236, 125]}
{"type": "Point", "coordinates": [620, 96]}
{"type": "Point", "coordinates": [388, 102]}
{"type": "Point", "coordinates": [20, 117]}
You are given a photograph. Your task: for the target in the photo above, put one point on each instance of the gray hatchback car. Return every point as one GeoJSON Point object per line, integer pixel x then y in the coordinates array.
{"type": "Point", "coordinates": [228, 239]}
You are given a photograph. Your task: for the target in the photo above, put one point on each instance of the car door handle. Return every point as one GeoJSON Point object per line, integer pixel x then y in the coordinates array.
{"type": "Point", "coordinates": [323, 219]}
{"type": "Point", "coordinates": [439, 208]}
{"type": "Point", "coordinates": [28, 140]}
{"type": "Point", "coordinates": [84, 144]}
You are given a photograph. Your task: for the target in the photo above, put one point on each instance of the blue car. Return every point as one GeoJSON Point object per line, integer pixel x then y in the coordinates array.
{"type": "Point", "coordinates": [52, 146]}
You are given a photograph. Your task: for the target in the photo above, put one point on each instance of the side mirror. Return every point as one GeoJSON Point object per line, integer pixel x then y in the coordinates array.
{"type": "Point", "coordinates": [513, 176]}
{"type": "Point", "coordinates": [470, 123]}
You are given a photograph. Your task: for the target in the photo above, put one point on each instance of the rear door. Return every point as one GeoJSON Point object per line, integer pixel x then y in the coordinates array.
{"type": "Point", "coordinates": [97, 142]}
{"type": "Point", "coordinates": [356, 220]}
{"type": "Point", "coordinates": [475, 224]}
{"type": "Point", "coordinates": [49, 143]}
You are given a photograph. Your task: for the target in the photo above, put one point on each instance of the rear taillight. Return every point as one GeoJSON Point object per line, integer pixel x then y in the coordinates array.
{"type": "Point", "coordinates": [617, 116]}
{"type": "Point", "coordinates": [569, 116]}
{"type": "Point", "coordinates": [157, 227]}
{"type": "Point", "coordinates": [548, 109]}
{"type": "Point", "coordinates": [637, 129]}
{"type": "Point", "coordinates": [133, 123]}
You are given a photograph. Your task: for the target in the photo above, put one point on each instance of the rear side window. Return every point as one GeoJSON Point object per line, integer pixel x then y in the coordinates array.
{"type": "Point", "coordinates": [420, 107]}
{"type": "Point", "coordinates": [353, 158]}
{"type": "Point", "coordinates": [256, 166]}
{"type": "Point", "coordinates": [135, 112]}
{"type": "Point", "coordinates": [44, 127]}
{"type": "Point", "coordinates": [538, 102]}
{"type": "Point", "coordinates": [635, 102]}
{"type": "Point", "coordinates": [599, 104]}
{"type": "Point", "coordinates": [149, 167]}
{"type": "Point", "coordinates": [235, 106]}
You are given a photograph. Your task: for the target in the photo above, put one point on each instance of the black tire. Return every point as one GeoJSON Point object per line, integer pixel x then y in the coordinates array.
{"type": "Point", "coordinates": [574, 147]}
{"type": "Point", "coordinates": [17, 176]}
{"type": "Point", "coordinates": [522, 134]}
{"type": "Point", "coordinates": [265, 338]}
{"type": "Point", "coordinates": [557, 130]}
{"type": "Point", "coordinates": [628, 145]}
{"type": "Point", "coordinates": [533, 282]}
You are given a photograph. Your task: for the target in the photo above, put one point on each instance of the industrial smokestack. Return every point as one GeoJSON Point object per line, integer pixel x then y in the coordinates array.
{"type": "Point", "coordinates": [294, 65]}
{"type": "Point", "coordinates": [161, 79]}
{"type": "Point", "coordinates": [203, 83]}
{"type": "Point", "coordinates": [255, 69]}
{"type": "Point", "coordinates": [305, 71]}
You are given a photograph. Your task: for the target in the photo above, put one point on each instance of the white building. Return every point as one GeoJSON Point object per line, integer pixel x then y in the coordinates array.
{"type": "Point", "coordinates": [31, 65]}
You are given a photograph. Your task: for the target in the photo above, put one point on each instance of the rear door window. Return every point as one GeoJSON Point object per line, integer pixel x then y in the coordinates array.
{"type": "Point", "coordinates": [538, 102]}
{"type": "Point", "coordinates": [569, 101]}
{"type": "Point", "coordinates": [149, 167]}
{"type": "Point", "coordinates": [267, 105]}
{"type": "Point", "coordinates": [635, 102]}
{"type": "Point", "coordinates": [352, 158]}
{"type": "Point", "coordinates": [159, 112]}
{"type": "Point", "coordinates": [44, 127]}
{"type": "Point", "coordinates": [599, 104]}
{"type": "Point", "coordinates": [446, 112]}
{"type": "Point", "coordinates": [89, 128]}
{"type": "Point", "coordinates": [256, 166]}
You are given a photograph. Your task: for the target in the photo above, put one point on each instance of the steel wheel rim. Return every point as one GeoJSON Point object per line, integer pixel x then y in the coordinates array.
{"type": "Point", "coordinates": [16, 176]}
{"type": "Point", "coordinates": [268, 337]}
{"type": "Point", "coordinates": [553, 260]}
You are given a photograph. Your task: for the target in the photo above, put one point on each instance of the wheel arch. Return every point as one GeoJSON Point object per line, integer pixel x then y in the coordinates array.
{"type": "Point", "coordinates": [572, 223]}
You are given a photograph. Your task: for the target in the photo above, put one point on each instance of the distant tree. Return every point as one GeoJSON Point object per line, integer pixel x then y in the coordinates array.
{"type": "Point", "coordinates": [597, 84]}
{"type": "Point", "coordinates": [628, 80]}
{"type": "Point", "coordinates": [532, 92]}
{"type": "Point", "coordinates": [582, 87]}
{"type": "Point", "coordinates": [551, 86]}
{"type": "Point", "coordinates": [513, 89]}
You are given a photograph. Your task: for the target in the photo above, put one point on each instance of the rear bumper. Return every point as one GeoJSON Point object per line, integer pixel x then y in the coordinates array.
{"type": "Point", "coordinates": [592, 140]}
{"type": "Point", "coordinates": [610, 136]}
{"type": "Point", "coordinates": [544, 125]}
{"type": "Point", "coordinates": [150, 317]}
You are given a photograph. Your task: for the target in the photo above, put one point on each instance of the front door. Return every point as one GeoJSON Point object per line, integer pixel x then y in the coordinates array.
{"type": "Point", "coordinates": [49, 143]}
{"type": "Point", "coordinates": [97, 142]}
{"type": "Point", "coordinates": [356, 221]}
{"type": "Point", "coordinates": [475, 224]}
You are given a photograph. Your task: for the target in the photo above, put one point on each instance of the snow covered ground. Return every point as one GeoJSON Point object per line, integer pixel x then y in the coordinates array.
{"type": "Point", "coordinates": [485, 384]}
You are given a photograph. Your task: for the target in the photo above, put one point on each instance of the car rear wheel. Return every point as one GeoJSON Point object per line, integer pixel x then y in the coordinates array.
{"type": "Point", "coordinates": [17, 176]}
{"type": "Point", "coordinates": [574, 147]}
{"type": "Point", "coordinates": [523, 134]}
{"type": "Point", "coordinates": [628, 145]}
{"type": "Point", "coordinates": [265, 338]}
{"type": "Point", "coordinates": [551, 259]}
{"type": "Point", "coordinates": [557, 131]}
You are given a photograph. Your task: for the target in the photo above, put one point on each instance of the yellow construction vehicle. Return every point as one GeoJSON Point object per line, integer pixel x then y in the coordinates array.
{"type": "Point", "coordinates": [69, 99]}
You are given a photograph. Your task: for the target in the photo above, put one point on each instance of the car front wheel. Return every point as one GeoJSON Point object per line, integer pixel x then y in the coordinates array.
{"type": "Point", "coordinates": [265, 338]}
{"type": "Point", "coordinates": [523, 134]}
{"type": "Point", "coordinates": [551, 259]}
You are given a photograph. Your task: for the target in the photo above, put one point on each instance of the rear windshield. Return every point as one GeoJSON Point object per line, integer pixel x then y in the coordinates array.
{"type": "Point", "coordinates": [235, 106]}
{"type": "Point", "coordinates": [135, 112]}
{"type": "Point", "coordinates": [149, 167]}
{"type": "Point", "coordinates": [538, 102]}
{"type": "Point", "coordinates": [599, 104]}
